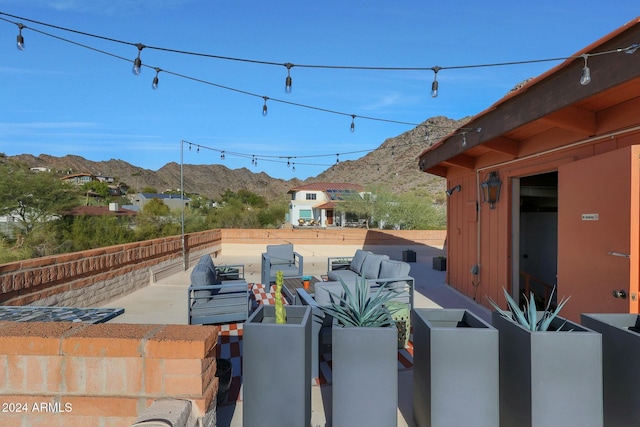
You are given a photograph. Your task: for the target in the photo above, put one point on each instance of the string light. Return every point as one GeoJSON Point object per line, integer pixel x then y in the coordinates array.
{"type": "Point", "coordinates": [353, 123]}
{"type": "Point", "coordinates": [19, 38]}
{"type": "Point", "coordinates": [585, 78]}
{"type": "Point", "coordinates": [434, 85]}
{"type": "Point", "coordinates": [137, 63]}
{"type": "Point", "coordinates": [631, 49]}
{"type": "Point", "coordinates": [287, 82]}
{"type": "Point", "coordinates": [154, 85]}
{"type": "Point", "coordinates": [337, 158]}
{"type": "Point", "coordinates": [222, 157]}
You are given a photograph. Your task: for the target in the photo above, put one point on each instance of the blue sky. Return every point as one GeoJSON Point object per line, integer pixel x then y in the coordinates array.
{"type": "Point", "coordinates": [59, 98]}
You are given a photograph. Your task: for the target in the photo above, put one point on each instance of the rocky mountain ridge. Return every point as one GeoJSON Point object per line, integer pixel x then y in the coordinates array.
{"type": "Point", "coordinates": [392, 165]}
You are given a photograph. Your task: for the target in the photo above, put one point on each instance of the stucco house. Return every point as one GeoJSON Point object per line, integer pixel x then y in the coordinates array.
{"type": "Point", "coordinates": [562, 155]}
{"type": "Point", "coordinates": [314, 204]}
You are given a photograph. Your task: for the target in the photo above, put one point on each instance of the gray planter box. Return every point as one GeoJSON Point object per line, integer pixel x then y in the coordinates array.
{"type": "Point", "coordinates": [276, 368]}
{"type": "Point", "coordinates": [364, 376]}
{"type": "Point", "coordinates": [455, 369]}
{"type": "Point", "coordinates": [620, 353]}
{"type": "Point", "coordinates": [549, 378]}
{"type": "Point", "coordinates": [440, 263]}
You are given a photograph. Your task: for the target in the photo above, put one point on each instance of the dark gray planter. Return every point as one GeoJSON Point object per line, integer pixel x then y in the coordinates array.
{"type": "Point", "coordinates": [440, 263]}
{"type": "Point", "coordinates": [620, 353]}
{"type": "Point", "coordinates": [549, 378]}
{"type": "Point", "coordinates": [276, 368]}
{"type": "Point", "coordinates": [455, 369]}
{"type": "Point", "coordinates": [364, 376]}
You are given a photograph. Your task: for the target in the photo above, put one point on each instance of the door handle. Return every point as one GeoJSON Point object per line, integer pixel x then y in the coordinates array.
{"type": "Point", "coordinates": [620, 254]}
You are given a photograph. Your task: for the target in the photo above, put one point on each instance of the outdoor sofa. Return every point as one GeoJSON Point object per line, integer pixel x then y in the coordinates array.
{"type": "Point", "coordinates": [378, 270]}
{"type": "Point", "coordinates": [213, 300]}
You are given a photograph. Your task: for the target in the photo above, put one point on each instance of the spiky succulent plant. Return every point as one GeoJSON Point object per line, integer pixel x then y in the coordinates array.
{"type": "Point", "coordinates": [529, 316]}
{"type": "Point", "coordinates": [359, 308]}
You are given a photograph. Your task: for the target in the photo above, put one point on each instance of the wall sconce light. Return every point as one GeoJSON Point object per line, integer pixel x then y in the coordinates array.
{"type": "Point", "coordinates": [453, 190]}
{"type": "Point", "coordinates": [491, 189]}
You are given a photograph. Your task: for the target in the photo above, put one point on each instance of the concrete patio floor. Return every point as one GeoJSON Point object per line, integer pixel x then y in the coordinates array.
{"type": "Point", "coordinates": [165, 302]}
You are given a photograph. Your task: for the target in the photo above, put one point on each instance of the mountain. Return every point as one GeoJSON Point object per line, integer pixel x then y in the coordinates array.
{"type": "Point", "coordinates": [393, 165]}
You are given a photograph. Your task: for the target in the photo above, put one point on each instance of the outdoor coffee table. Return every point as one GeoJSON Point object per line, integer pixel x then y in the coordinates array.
{"type": "Point", "coordinates": [292, 283]}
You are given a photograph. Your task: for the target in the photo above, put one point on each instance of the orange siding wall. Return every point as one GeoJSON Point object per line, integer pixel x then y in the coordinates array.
{"type": "Point", "coordinates": [494, 238]}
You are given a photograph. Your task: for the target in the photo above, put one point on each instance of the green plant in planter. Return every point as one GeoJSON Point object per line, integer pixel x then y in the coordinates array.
{"type": "Point", "coordinates": [529, 316]}
{"type": "Point", "coordinates": [281, 313]}
{"type": "Point", "coordinates": [359, 309]}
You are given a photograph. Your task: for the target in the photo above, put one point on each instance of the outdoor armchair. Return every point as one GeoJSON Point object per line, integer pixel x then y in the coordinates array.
{"type": "Point", "coordinates": [280, 258]}
{"type": "Point", "coordinates": [212, 300]}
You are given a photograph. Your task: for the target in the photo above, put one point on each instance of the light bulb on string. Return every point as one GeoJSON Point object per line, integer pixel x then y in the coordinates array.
{"type": "Point", "coordinates": [264, 107]}
{"type": "Point", "coordinates": [352, 129]}
{"type": "Point", "coordinates": [337, 158]}
{"type": "Point", "coordinates": [434, 85]}
{"type": "Point", "coordinates": [294, 167]}
{"type": "Point", "coordinates": [19, 37]}
{"type": "Point", "coordinates": [288, 81]}
{"type": "Point", "coordinates": [632, 49]}
{"type": "Point", "coordinates": [222, 155]}
{"type": "Point", "coordinates": [585, 78]}
{"type": "Point", "coordinates": [154, 85]}
{"type": "Point", "coordinates": [464, 139]}
{"type": "Point", "coordinates": [137, 63]}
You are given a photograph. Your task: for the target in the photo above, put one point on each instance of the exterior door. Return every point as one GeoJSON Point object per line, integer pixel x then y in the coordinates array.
{"type": "Point", "coordinates": [329, 216]}
{"type": "Point", "coordinates": [598, 233]}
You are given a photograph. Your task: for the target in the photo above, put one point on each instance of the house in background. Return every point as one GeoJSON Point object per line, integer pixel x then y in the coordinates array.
{"type": "Point", "coordinates": [79, 178]}
{"type": "Point", "coordinates": [314, 204]}
{"type": "Point", "coordinates": [174, 201]}
{"type": "Point", "coordinates": [562, 155]}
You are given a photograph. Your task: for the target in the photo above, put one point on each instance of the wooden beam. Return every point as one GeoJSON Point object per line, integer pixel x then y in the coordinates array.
{"type": "Point", "coordinates": [463, 161]}
{"type": "Point", "coordinates": [438, 170]}
{"type": "Point", "coordinates": [573, 119]}
{"type": "Point", "coordinates": [502, 145]}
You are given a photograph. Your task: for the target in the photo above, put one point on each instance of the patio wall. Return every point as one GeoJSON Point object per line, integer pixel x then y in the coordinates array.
{"type": "Point", "coordinates": [94, 277]}
{"type": "Point", "coordinates": [70, 374]}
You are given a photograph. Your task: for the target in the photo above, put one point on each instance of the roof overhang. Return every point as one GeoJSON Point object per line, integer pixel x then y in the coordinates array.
{"type": "Point", "coordinates": [554, 103]}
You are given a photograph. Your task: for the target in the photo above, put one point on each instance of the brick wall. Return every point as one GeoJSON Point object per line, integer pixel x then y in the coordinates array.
{"type": "Point", "coordinates": [94, 277]}
{"type": "Point", "coordinates": [70, 374]}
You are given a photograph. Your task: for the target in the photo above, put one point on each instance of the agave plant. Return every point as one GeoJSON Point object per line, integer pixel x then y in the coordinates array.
{"type": "Point", "coordinates": [359, 309]}
{"type": "Point", "coordinates": [529, 317]}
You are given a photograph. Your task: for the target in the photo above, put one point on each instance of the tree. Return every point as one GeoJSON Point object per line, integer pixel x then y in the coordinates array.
{"type": "Point", "coordinates": [34, 198]}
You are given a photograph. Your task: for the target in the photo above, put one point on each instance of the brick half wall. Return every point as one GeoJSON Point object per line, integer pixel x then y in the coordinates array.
{"type": "Point", "coordinates": [70, 374]}
{"type": "Point", "coordinates": [94, 277]}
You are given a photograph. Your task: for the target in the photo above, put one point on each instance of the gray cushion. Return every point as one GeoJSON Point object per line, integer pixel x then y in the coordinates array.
{"type": "Point", "coordinates": [347, 276]}
{"type": "Point", "coordinates": [371, 265]}
{"type": "Point", "coordinates": [281, 254]}
{"type": "Point", "coordinates": [322, 289]}
{"type": "Point", "coordinates": [358, 259]}
{"type": "Point", "coordinates": [204, 273]}
{"type": "Point", "coordinates": [394, 269]}
{"type": "Point", "coordinates": [287, 270]}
